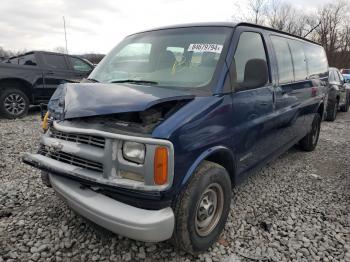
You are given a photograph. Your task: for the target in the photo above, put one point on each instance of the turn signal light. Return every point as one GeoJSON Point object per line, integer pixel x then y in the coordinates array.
{"type": "Point", "coordinates": [161, 166]}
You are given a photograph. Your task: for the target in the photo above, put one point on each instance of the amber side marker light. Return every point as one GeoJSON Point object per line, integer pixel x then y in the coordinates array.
{"type": "Point", "coordinates": [161, 166]}
{"type": "Point", "coordinates": [45, 123]}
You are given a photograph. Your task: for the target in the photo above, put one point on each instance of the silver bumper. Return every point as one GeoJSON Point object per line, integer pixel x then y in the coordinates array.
{"type": "Point", "coordinates": [123, 219]}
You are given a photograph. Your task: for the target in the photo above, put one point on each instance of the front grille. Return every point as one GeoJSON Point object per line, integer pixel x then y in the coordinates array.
{"type": "Point", "coordinates": [78, 138]}
{"type": "Point", "coordinates": [71, 159]}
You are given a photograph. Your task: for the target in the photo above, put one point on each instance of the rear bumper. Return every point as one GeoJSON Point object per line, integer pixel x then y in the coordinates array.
{"type": "Point", "coordinates": [136, 223]}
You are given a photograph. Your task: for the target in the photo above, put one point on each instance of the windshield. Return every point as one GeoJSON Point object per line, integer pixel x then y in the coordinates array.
{"type": "Point", "coordinates": [179, 58]}
{"type": "Point", "coordinates": [345, 71]}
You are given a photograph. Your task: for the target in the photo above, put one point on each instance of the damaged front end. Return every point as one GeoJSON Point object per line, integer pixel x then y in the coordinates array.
{"type": "Point", "coordinates": [106, 145]}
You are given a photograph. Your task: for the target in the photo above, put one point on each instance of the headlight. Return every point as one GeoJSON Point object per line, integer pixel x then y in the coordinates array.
{"type": "Point", "coordinates": [134, 152]}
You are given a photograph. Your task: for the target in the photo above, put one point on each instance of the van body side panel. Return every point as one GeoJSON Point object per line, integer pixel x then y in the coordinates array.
{"type": "Point", "coordinates": [195, 128]}
{"type": "Point", "coordinates": [253, 127]}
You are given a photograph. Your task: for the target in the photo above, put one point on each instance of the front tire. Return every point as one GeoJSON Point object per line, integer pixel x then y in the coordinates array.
{"type": "Point", "coordinates": [202, 208]}
{"type": "Point", "coordinates": [309, 142]}
{"type": "Point", "coordinates": [13, 103]}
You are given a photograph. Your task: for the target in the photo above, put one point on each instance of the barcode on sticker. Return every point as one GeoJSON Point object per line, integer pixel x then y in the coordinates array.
{"type": "Point", "coordinates": [214, 48]}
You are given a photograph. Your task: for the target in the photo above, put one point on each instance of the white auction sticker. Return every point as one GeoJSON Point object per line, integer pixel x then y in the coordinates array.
{"type": "Point", "coordinates": [214, 48]}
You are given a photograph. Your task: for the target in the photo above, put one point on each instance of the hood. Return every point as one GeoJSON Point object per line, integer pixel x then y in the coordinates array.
{"type": "Point", "coordinates": [92, 99]}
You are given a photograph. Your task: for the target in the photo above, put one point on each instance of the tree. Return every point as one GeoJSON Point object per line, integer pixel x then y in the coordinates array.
{"type": "Point", "coordinates": [329, 25]}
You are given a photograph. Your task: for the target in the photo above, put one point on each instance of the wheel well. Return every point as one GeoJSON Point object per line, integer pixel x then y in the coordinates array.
{"type": "Point", "coordinates": [224, 159]}
{"type": "Point", "coordinates": [23, 85]}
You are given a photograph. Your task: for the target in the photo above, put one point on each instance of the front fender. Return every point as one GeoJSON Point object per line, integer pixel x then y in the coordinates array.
{"type": "Point", "coordinates": [204, 155]}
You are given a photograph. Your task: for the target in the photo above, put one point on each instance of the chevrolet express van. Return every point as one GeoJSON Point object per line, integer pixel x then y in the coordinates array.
{"type": "Point", "coordinates": [152, 143]}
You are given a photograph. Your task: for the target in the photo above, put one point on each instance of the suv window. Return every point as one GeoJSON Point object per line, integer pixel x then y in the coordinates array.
{"type": "Point", "coordinates": [316, 59]}
{"type": "Point", "coordinates": [340, 76]}
{"type": "Point", "coordinates": [299, 60]}
{"type": "Point", "coordinates": [331, 76]}
{"type": "Point", "coordinates": [55, 61]}
{"type": "Point", "coordinates": [250, 46]}
{"type": "Point", "coordinates": [27, 60]}
{"type": "Point", "coordinates": [24, 60]}
{"type": "Point", "coordinates": [80, 65]}
{"type": "Point", "coordinates": [284, 59]}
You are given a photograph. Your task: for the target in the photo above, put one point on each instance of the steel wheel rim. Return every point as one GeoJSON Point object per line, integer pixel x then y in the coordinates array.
{"type": "Point", "coordinates": [14, 104]}
{"type": "Point", "coordinates": [209, 209]}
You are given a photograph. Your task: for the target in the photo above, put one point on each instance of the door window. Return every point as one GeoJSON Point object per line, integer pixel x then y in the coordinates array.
{"type": "Point", "coordinates": [80, 65]}
{"type": "Point", "coordinates": [299, 60]}
{"type": "Point", "coordinates": [284, 59]}
{"type": "Point", "coordinates": [250, 46]}
{"type": "Point", "coordinates": [55, 61]}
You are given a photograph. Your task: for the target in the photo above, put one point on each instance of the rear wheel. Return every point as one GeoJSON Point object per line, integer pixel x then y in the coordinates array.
{"type": "Point", "coordinates": [332, 110]}
{"type": "Point", "coordinates": [309, 142]}
{"type": "Point", "coordinates": [202, 208]}
{"type": "Point", "coordinates": [13, 103]}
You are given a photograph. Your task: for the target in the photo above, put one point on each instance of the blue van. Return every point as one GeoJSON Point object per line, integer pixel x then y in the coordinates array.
{"type": "Point", "coordinates": [151, 144]}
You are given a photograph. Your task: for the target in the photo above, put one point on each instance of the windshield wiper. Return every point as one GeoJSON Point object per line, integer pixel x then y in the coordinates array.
{"type": "Point", "coordinates": [93, 80]}
{"type": "Point", "coordinates": [135, 81]}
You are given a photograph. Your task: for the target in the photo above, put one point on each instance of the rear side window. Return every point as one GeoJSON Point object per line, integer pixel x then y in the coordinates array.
{"type": "Point", "coordinates": [250, 46]}
{"type": "Point", "coordinates": [55, 61]}
{"type": "Point", "coordinates": [29, 60]}
{"type": "Point", "coordinates": [299, 59]}
{"type": "Point", "coordinates": [316, 59]}
{"type": "Point", "coordinates": [284, 59]}
{"type": "Point", "coordinates": [80, 65]}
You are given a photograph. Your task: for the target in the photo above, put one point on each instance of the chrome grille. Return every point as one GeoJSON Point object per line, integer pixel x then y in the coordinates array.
{"type": "Point", "coordinates": [78, 138]}
{"type": "Point", "coordinates": [71, 159]}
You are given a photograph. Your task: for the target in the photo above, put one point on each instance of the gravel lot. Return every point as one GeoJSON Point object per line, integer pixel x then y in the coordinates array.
{"type": "Point", "coordinates": [297, 208]}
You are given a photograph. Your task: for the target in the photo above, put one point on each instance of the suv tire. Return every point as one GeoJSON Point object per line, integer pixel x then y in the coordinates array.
{"type": "Point", "coordinates": [309, 142]}
{"type": "Point", "coordinates": [332, 110]}
{"type": "Point", "coordinates": [14, 103]}
{"type": "Point", "coordinates": [202, 208]}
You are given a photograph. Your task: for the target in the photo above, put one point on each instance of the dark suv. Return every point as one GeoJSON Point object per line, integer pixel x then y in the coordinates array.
{"type": "Point", "coordinates": [338, 94]}
{"type": "Point", "coordinates": [172, 119]}
{"type": "Point", "coordinates": [32, 78]}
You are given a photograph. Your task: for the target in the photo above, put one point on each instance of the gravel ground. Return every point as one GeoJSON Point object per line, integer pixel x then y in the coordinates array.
{"type": "Point", "coordinates": [295, 209]}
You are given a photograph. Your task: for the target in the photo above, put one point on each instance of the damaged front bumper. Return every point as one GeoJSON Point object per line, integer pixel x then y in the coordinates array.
{"type": "Point", "coordinates": [136, 223]}
{"type": "Point", "coordinates": [76, 156]}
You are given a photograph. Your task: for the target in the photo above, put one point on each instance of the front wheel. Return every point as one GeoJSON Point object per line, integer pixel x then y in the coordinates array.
{"type": "Point", "coordinates": [309, 142]}
{"type": "Point", "coordinates": [202, 208]}
{"type": "Point", "coordinates": [13, 103]}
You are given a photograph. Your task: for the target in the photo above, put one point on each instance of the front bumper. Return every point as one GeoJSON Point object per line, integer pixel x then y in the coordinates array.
{"type": "Point", "coordinates": [132, 222]}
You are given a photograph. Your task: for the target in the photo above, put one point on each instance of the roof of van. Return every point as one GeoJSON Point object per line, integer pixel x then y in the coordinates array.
{"type": "Point", "coordinates": [228, 24]}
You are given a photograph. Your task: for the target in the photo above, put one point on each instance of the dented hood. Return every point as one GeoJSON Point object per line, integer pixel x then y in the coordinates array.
{"type": "Point", "coordinates": [92, 99]}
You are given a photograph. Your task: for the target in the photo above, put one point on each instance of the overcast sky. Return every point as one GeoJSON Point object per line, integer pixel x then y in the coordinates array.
{"type": "Point", "coordinates": [98, 25]}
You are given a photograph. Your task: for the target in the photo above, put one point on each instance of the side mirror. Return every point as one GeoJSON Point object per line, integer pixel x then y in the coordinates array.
{"type": "Point", "coordinates": [255, 74]}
